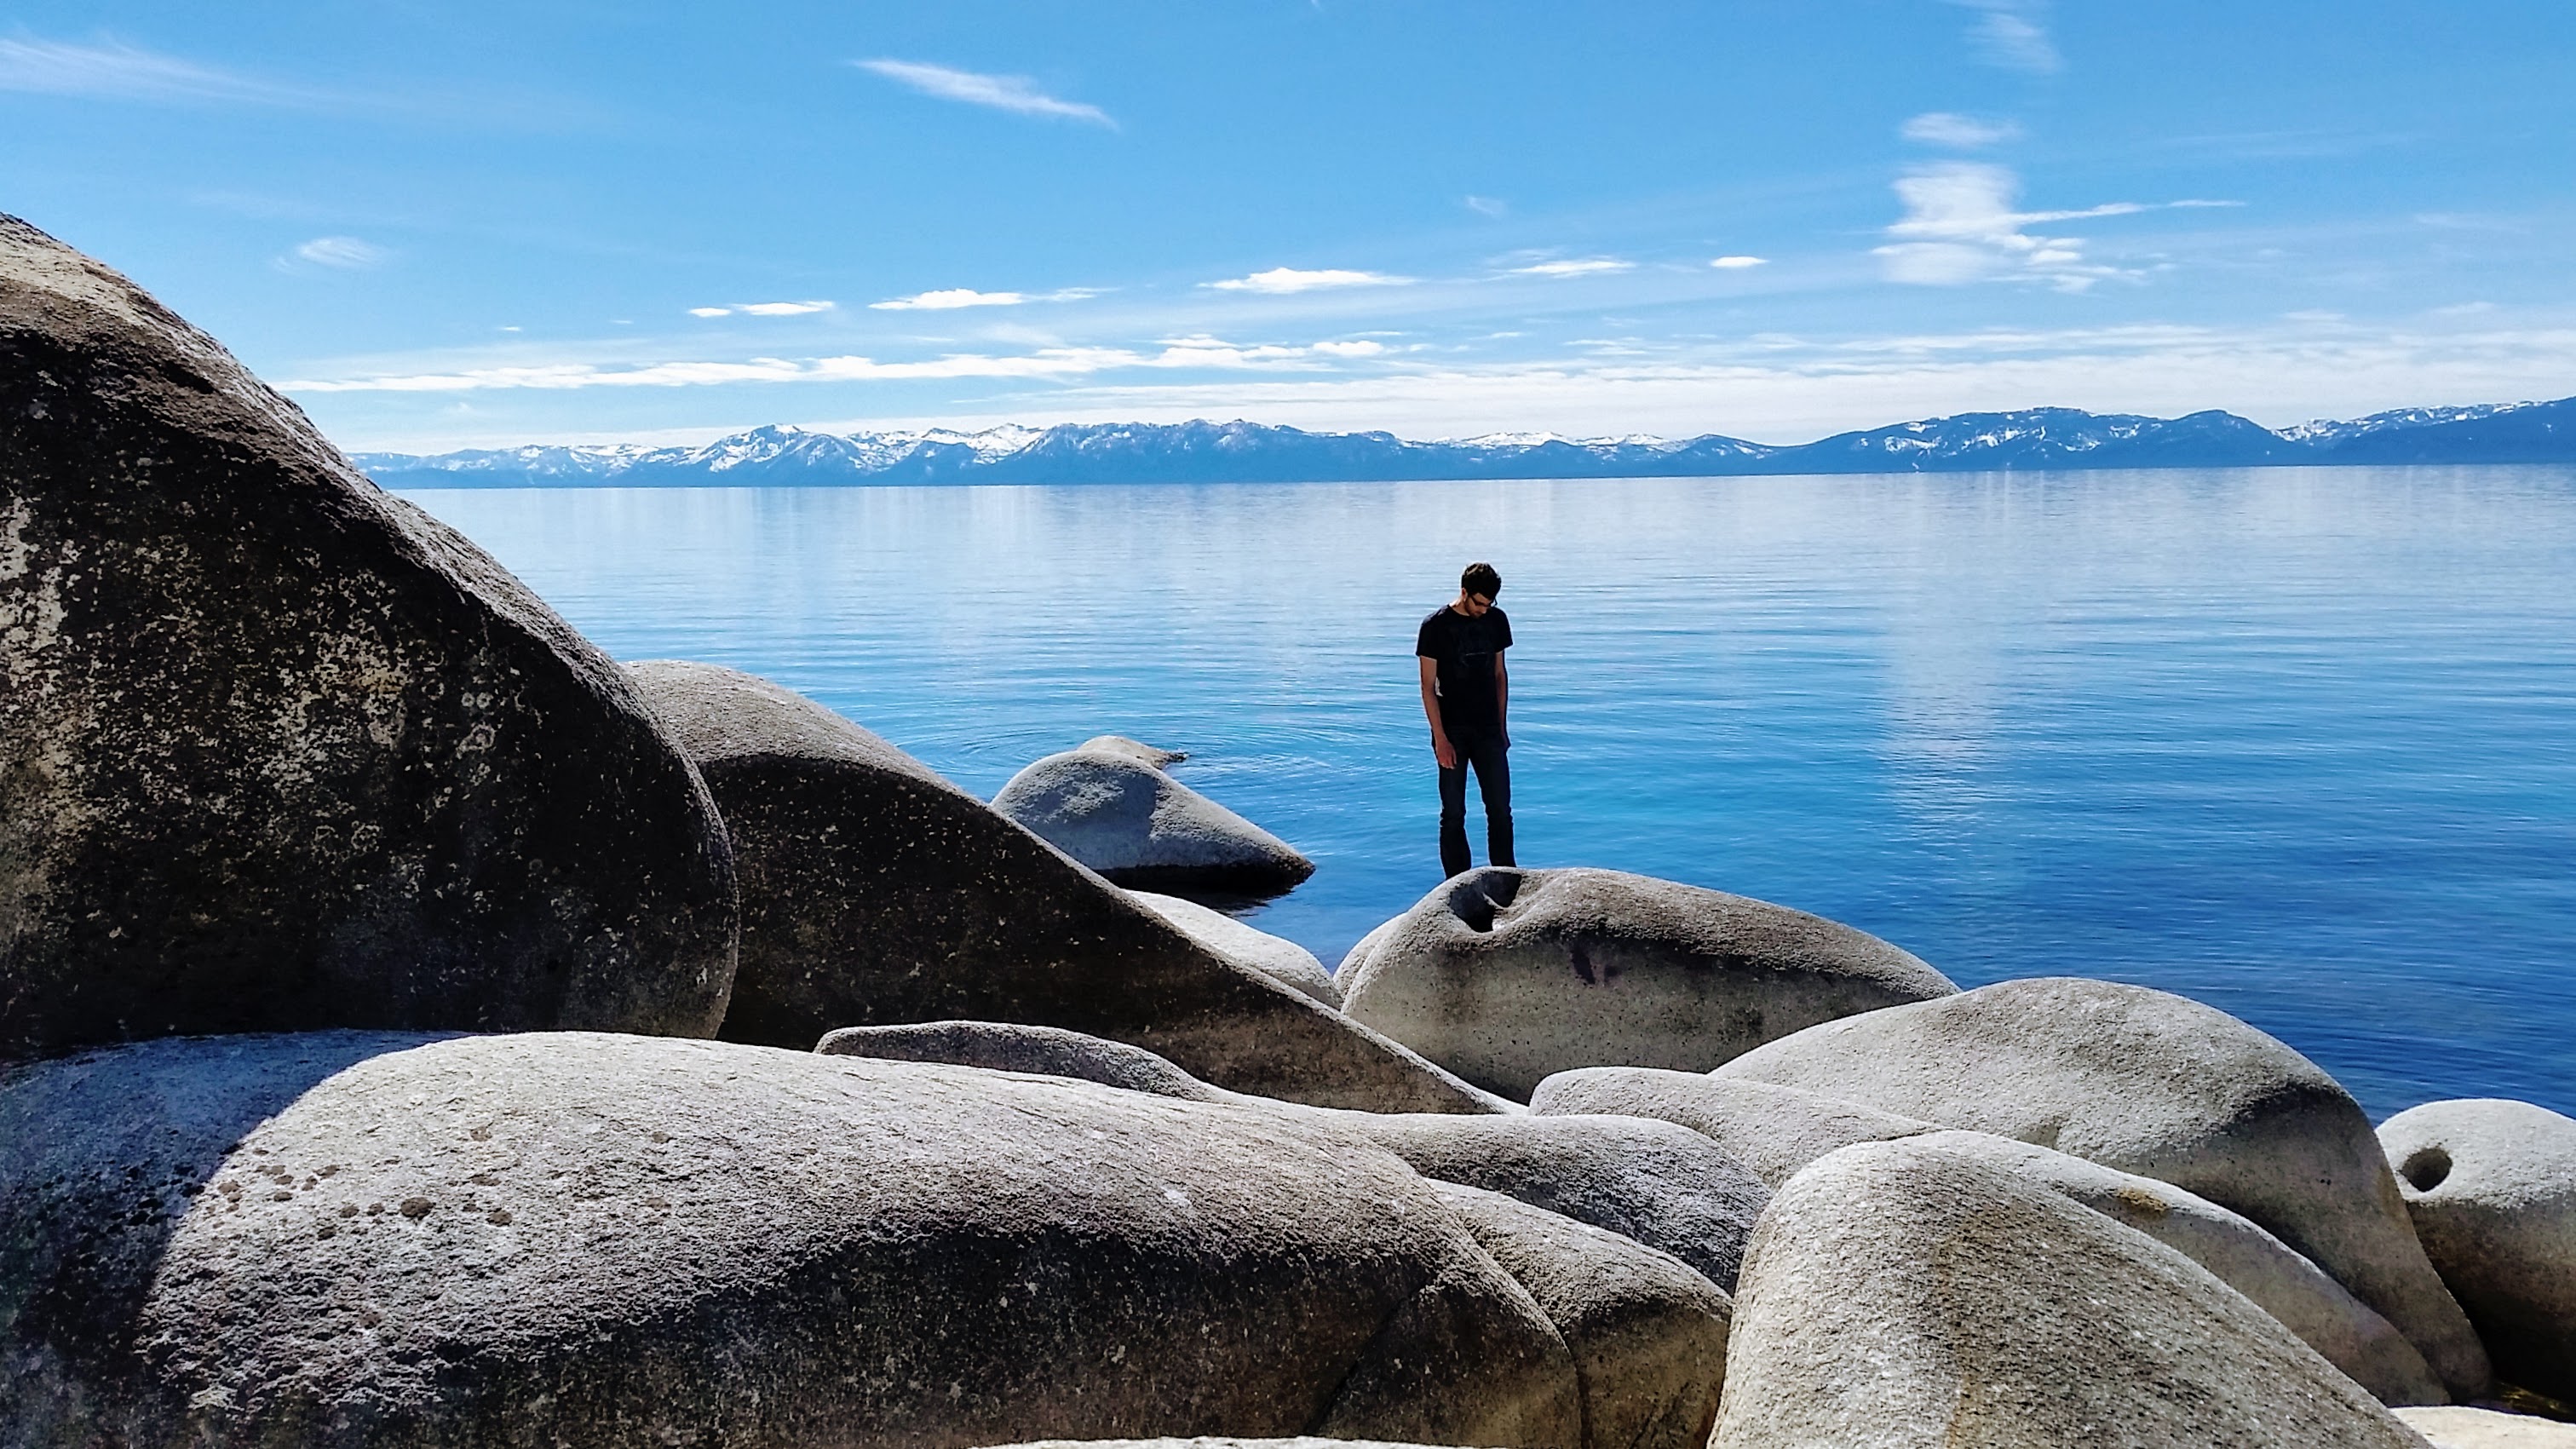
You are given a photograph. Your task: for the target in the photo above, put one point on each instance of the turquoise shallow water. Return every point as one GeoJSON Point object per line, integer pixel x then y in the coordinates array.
{"type": "Point", "coordinates": [2298, 743]}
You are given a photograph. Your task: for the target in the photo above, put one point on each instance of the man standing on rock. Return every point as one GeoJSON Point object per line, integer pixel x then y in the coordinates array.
{"type": "Point", "coordinates": [1464, 694]}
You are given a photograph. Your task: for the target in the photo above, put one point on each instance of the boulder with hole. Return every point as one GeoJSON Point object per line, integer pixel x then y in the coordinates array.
{"type": "Point", "coordinates": [1905, 1293]}
{"type": "Point", "coordinates": [876, 893]}
{"type": "Point", "coordinates": [2157, 1085]}
{"type": "Point", "coordinates": [582, 1239]}
{"type": "Point", "coordinates": [1140, 827]}
{"type": "Point", "coordinates": [2491, 1186]}
{"type": "Point", "coordinates": [1505, 976]}
{"type": "Point", "coordinates": [280, 751]}
{"type": "Point", "coordinates": [1648, 1335]}
{"type": "Point", "coordinates": [1272, 956]}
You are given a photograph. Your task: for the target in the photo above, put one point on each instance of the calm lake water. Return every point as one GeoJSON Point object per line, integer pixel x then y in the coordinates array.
{"type": "Point", "coordinates": [2298, 743]}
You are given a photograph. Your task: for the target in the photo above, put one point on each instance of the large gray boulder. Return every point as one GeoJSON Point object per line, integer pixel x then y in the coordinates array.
{"type": "Point", "coordinates": [277, 749]}
{"type": "Point", "coordinates": [1273, 956]}
{"type": "Point", "coordinates": [875, 893]}
{"type": "Point", "coordinates": [1778, 1131]}
{"type": "Point", "coordinates": [2491, 1186]}
{"type": "Point", "coordinates": [1775, 1131]}
{"type": "Point", "coordinates": [1140, 827]}
{"type": "Point", "coordinates": [2157, 1085]}
{"type": "Point", "coordinates": [577, 1240]}
{"type": "Point", "coordinates": [1505, 976]}
{"type": "Point", "coordinates": [1905, 1293]}
{"type": "Point", "coordinates": [1648, 1334]}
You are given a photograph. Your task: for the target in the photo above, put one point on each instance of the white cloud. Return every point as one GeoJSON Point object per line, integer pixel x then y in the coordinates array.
{"type": "Point", "coordinates": [1960, 226]}
{"type": "Point", "coordinates": [1014, 93]}
{"type": "Point", "coordinates": [1587, 267]}
{"type": "Point", "coordinates": [1738, 263]}
{"type": "Point", "coordinates": [2008, 33]}
{"type": "Point", "coordinates": [945, 300]}
{"type": "Point", "coordinates": [1488, 205]}
{"type": "Point", "coordinates": [114, 71]}
{"type": "Point", "coordinates": [1965, 133]}
{"type": "Point", "coordinates": [785, 309]}
{"type": "Point", "coordinates": [1280, 281]}
{"type": "Point", "coordinates": [341, 253]}
{"type": "Point", "coordinates": [710, 311]}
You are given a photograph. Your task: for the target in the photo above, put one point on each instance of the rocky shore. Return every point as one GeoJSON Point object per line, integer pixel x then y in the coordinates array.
{"type": "Point", "coordinates": [418, 1029]}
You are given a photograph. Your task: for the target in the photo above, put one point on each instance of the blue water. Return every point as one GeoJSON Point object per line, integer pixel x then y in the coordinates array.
{"type": "Point", "coordinates": [2298, 743]}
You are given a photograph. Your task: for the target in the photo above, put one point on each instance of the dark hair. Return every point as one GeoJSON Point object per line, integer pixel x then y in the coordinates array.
{"type": "Point", "coordinates": [1480, 578]}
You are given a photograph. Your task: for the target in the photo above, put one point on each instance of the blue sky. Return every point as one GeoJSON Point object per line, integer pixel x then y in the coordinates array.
{"type": "Point", "coordinates": [464, 224]}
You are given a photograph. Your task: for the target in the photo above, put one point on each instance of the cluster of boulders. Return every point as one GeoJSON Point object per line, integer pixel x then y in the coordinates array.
{"type": "Point", "coordinates": [418, 1029]}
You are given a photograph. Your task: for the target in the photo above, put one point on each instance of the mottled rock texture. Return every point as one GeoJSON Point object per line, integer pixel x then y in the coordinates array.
{"type": "Point", "coordinates": [2164, 1087]}
{"type": "Point", "coordinates": [876, 893]}
{"type": "Point", "coordinates": [2491, 1185]}
{"type": "Point", "coordinates": [1648, 1334]}
{"type": "Point", "coordinates": [278, 750]}
{"type": "Point", "coordinates": [1273, 956]}
{"type": "Point", "coordinates": [1902, 1294]}
{"type": "Point", "coordinates": [1505, 976]}
{"type": "Point", "coordinates": [579, 1240]}
{"type": "Point", "coordinates": [1140, 827]}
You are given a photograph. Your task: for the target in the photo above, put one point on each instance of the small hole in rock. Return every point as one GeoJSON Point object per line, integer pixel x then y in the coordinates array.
{"type": "Point", "coordinates": [2426, 1168]}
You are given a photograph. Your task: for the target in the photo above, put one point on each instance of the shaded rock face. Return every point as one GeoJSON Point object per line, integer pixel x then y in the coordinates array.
{"type": "Point", "coordinates": [876, 893]}
{"type": "Point", "coordinates": [278, 750]}
{"type": "Point", "coordinates": [1140, 827]}
{"type": "Point", "coordinates": [1505, 976]}
{"type": "Point", "coordinates": [1272, 956]}
{"type": "Point", "coordinates": [1647, 1334]}
{"type": "Point", "coordinates": [575, 1239]}
{"type": "Point", "coordinates": [2163, 1087]}
{"type": "Point", "coordinates": [2491, 1186]}
{"type": "Point", "coordinates": [1780, 1130]}
{"type": "Point", "coordinates": [1900, 1294]}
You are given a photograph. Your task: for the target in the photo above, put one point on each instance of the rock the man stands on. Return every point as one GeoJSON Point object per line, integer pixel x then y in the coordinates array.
{"type": "Point", "coordinates": [1465, 694]}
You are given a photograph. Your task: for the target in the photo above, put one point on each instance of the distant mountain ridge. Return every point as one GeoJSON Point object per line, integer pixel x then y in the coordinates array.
{"type": "Point", "coordinates": [1241, 452]}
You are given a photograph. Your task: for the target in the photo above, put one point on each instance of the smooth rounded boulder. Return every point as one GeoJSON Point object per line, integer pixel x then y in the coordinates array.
{"type": "Point", "coordinates": [1647, 1334]}
{"type": "Point", "coordinates": [580, 1239]}
{"type": "Point", "coordinates": [1140, 827]}
{"type": "Point", "coordinates": [1047, 1051]}
{"type": "Point", "coordinates": [1902, 1293]}
{"type": "Point", "coordinates": [2161, 1086]}
{"type": "Point", "coordinates": [1506, 976]}
{"type": "Point", "coordinates": [280, 751]}
{"type": "Point", "coordinates": [2491, 1186]}
{"type": "Point", "coordinates": [1137, 750]}
{"type": "Point", "coordinates": [875, 893]}
{"type": "Point", "coordinates": [1273, 956]}
{"type": "Point", "coordinates": [1775, 1131]}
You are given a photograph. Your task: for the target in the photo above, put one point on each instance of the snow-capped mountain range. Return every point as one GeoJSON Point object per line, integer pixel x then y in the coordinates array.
{"type": "Point", "coordinates": [1240, 452]}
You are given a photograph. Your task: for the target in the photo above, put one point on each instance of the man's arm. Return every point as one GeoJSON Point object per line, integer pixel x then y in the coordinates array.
{"type": "Point", "coordinates": [1441, 749]}
{"type": "Point", "coordinates": [1502, 700]}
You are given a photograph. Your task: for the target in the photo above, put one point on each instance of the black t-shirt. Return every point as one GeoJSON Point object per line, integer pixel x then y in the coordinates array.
{"type": "Point", "coordinates": [1465, 650]}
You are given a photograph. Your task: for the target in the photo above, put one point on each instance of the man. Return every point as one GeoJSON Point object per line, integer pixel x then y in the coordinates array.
{"type": "Point", "coordinates": [1464, 694]}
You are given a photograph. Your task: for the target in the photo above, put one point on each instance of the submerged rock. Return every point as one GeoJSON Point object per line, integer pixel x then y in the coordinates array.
{"type": "Point", "coordinates": [876, 893]}
{"type": "Point", "coordinates": [1505, 976]}
{"type": "Point", "coordinates": [2491, 1186]}
{"type": "Point", "coordinates": [2161, 1086]}
{"type": "Point", "coordinates": [581, 1240]}
{"type": "Point", "coordinates": [1905, 1293]}
{"type": "Point", "coordinates": [1272, 956]}
{"type": "Point", "coordinates": [280, 751]}
{"type": "Point", "coordinates": [1152, 756]}
{"type": "Point", "coordinates": [1140, 827]}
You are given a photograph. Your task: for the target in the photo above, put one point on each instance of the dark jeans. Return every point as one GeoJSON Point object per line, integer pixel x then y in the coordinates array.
{"type": "Point", "coordinates": [1494, 778]}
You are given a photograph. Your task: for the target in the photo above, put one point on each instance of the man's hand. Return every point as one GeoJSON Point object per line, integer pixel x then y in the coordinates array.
{"type": "Point", "coordinates": [1443, 751]}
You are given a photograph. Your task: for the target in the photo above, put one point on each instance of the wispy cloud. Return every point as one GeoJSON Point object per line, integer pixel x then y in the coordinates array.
{"type": "Point", "coordinates": [1015, 93]}
{"type": "Point", "coordinates": [1488, 205]}
{"type": "Point", "coordinates": [341, 253]}
{"type": "Point", "coordinates": [951, 298]}
{"type": "Point", "coordinates": [2010, 34]}
{"type": "Point", "coordinates": [1585, 267]}
{"type": "Point", "coordinates": [111, 70]}
{"type": "Point", "coordinates": [1280, 281]}
{"type": "Point", "coordinates": [1961, 225]}
{"type": "Point", "coordinates": [764, 309]}
{"type": "Point", "coordinates": [1964, 133]}
{"type": "Point", "coordinates": [1738, 263]}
